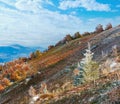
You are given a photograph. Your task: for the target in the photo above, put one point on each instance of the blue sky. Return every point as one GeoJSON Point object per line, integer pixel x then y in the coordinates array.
{"type": "Point", "coordinates": [44, 22]}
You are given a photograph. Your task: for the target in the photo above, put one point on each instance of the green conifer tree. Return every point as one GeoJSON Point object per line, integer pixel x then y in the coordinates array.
{"type": "Point", "coordinates": [90, 67]}
{"type": "Point", "coordinates": [87, 69]}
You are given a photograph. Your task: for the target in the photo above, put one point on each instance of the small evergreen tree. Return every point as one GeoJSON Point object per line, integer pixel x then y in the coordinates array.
{"type": "Point", "coordinates": [87, 69]}
{"type": "Point", "coordinates": [90, 67]}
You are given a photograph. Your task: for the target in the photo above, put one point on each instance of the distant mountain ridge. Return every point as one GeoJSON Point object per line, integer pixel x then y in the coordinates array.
{"type": "Point", "coordinates": [11, 52]}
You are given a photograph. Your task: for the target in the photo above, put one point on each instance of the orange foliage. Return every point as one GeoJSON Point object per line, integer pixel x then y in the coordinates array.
{"type": "Point", "coordinates": [15, 76]}
{"type": "Point", "coordinates": [25, 67]}
{"type": "Point", "coordinates": [18, 75]}
{"type": "Point", "coordinates": [47, 96]}
{"type": "Point", "coordinates": [6, 82]}
{"type": "Point", "coordinates": [1, 88]}
{"type": "Point", "coordinates": [17, 66]}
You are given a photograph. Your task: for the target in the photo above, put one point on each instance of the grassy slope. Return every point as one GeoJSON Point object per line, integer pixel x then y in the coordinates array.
{"type": "Point", "coordinates": [93, 94]}
{"type": "Point", "coordinates": [56, 59]}
{"type": "Point", "coordinates": [49, 64]}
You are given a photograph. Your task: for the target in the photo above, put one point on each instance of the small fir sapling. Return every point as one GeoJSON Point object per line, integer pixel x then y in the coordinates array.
{"type": "Point", "coordinates": [87, 69]}
{"type": "Point", "coordinates": [90, 67]}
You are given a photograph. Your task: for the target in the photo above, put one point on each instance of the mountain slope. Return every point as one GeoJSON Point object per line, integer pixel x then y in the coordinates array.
{"type": "Point", "coordinates": [53, 63]}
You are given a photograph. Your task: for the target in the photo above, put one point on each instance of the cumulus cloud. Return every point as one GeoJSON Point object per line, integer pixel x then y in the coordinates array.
{"type": "Point", "coordinates": [31, 5]}
{"type": "Point", "coordinates": [28, 5]}
{"type": "Point", "coordinates": [89, 5]}
{"type": "Point", "coordinates": [31, 24]}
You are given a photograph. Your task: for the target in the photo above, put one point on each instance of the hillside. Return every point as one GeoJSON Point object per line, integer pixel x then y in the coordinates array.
{"type": "Point", "coordinates": [55, 67]}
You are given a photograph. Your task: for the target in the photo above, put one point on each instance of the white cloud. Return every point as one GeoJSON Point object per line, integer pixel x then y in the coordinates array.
{"type": "Point", "coordinates": [28, 5]}
{"type": "Point", "coordinates": [32, 5]}
{"type": "Point", "coordinates": [90, 5]}
{"type": "Point", "coordinates": [36, 26]}
{"type": "Point", "coordinates": [39, 27]}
